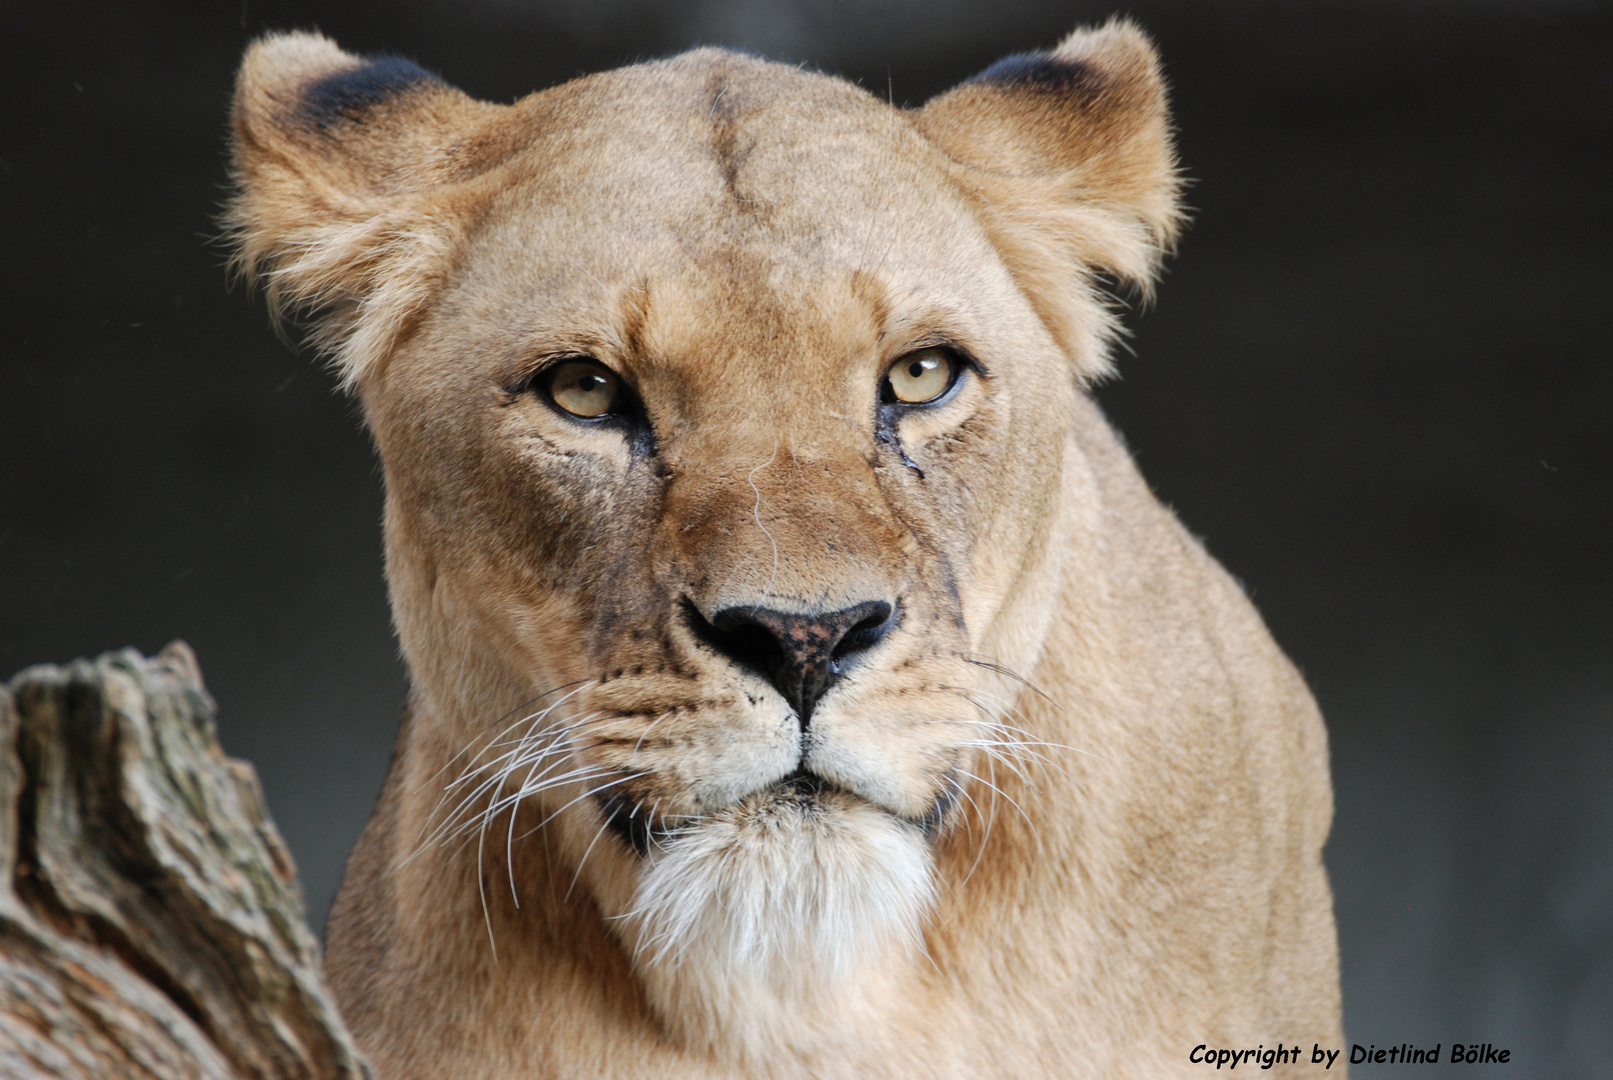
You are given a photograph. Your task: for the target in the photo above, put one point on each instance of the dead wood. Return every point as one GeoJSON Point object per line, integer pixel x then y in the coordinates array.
{"type": "Point", "coordinates": [151, 923]}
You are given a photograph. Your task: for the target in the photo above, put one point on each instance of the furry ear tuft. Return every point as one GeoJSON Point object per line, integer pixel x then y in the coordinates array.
{"type": "Point", "coordinates": [1069, 155]}
{"type": "Point", "coordinates": [339, 209]}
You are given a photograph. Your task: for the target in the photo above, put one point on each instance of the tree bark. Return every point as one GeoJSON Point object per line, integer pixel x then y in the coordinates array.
{"type": "Point", "coordinates": [151, 923]}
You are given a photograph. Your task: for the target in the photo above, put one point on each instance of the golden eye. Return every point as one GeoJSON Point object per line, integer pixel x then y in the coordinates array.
{"type": "Point", "coordinates": [920, 376]}
{"type": "Point", "coordinates": [583, 388]}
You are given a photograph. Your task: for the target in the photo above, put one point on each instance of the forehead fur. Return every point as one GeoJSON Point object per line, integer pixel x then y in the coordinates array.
{"type": "Point", "coordinates": [713, 156]}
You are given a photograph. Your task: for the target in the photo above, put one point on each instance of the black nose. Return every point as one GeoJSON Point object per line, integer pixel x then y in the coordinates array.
{"type": "Point", "coordinates": [800, 654]}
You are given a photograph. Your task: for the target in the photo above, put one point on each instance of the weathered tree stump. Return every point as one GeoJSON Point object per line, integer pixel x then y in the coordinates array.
{"type": "Point", "coordinates": [151, 923]}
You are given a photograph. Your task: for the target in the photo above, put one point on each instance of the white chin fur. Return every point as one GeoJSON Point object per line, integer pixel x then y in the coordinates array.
{"type": "Point", "coordinates": [765, 925]}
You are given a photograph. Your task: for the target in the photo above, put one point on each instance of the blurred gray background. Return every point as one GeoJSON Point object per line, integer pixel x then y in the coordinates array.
{"type": "Point", "coordinates": [1378, 381]}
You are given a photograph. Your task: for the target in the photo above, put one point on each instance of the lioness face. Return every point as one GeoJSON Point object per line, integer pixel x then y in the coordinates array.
{"type": "Point", "coordinates": [723, 439]}
{"type": "Point", "coordinates": [710, 451]}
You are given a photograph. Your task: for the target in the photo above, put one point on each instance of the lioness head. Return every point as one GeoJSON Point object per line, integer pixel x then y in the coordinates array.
{"type": "Point", "coordinates": [725, 412]}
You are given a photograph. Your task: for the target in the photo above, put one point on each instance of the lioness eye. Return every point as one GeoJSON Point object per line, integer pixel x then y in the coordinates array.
{"type": "Point", "coordinates": [583, 388]}
{"type": "Point", "coordinates": [920, 376]}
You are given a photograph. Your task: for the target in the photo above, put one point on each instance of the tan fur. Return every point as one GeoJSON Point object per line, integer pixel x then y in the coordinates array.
{"type": "Point", "coordinates": [1134, 865]}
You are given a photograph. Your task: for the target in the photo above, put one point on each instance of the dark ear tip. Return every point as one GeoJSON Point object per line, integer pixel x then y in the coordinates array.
{"type": "Point", "coordinates": [308, 76]}
{"type": "Point", "coordinates": [1040, 71]}
{"type": "Point", "coordinates": [345, 94]}
{"type": "Point", "coordinates": [1117, 58]}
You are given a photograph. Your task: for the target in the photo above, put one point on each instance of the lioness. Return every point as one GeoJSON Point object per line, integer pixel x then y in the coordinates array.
{"type": "Point", "coordinates": [805, 683]}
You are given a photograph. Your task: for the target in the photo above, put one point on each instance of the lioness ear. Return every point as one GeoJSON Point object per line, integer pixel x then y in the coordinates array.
{"type": "Point", "coordinates": [344, 168]}
{"type": "Point", "coordinates": [1069, 155]}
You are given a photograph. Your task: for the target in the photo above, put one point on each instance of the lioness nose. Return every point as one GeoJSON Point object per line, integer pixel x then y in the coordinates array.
{"type": "Point", "coordinates": [801, 654]}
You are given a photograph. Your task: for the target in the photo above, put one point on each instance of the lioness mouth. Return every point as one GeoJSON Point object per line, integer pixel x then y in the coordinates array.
{"type": "Point", "coordinates": [802, 792]}
{"type": "Point", "coordinates": [638, 828]}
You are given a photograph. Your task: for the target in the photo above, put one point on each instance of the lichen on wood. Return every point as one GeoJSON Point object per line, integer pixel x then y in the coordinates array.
{"type": "Point", "coordinates": [151, 923]}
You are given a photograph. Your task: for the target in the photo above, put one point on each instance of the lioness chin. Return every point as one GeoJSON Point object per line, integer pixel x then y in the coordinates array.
{"type": "Point", "coordinates": [804, 681]}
